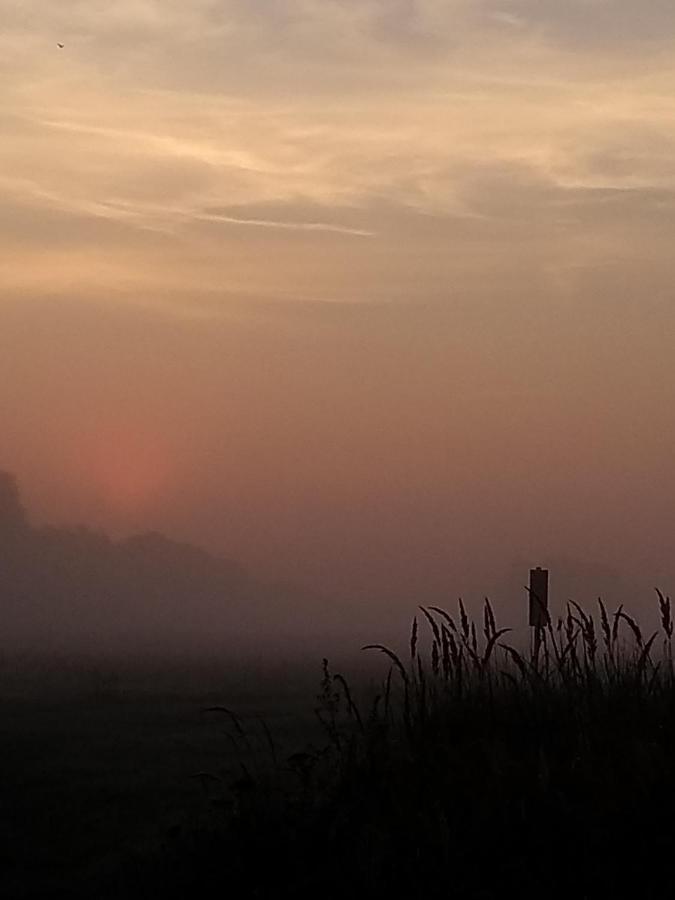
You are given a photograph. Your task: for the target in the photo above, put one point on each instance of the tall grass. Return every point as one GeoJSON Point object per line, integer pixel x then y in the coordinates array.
{"type": "Point", "coordinates": [474, 769]}
{"type": "Point", "coordinates": [585, 659]}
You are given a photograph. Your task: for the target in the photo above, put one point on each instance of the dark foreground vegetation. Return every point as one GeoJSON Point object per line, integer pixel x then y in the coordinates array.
{"type": "Point", "coordinates": [476, 771]}
{"type": "Point", "coordinates": [97, 759]}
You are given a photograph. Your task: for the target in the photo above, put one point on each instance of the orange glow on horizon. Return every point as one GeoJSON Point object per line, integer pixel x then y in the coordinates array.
{"type": "Point", "coordinates": [129, 470]}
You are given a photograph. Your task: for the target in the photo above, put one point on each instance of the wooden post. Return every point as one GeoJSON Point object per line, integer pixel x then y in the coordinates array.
{"type": "Point", "coordinates": [538, 607]}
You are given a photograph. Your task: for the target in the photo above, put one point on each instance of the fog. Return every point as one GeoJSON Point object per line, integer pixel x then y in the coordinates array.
{"type": "Point", "coordinates": [373, 300]}
{"type": "Point", "coordinates": [295, 481]}
{"type": "Point", "coordinates": [337, 465]}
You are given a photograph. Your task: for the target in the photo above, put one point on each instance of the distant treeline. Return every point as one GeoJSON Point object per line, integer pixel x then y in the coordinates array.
{"type": "Point", "coordinates": [71, 586]}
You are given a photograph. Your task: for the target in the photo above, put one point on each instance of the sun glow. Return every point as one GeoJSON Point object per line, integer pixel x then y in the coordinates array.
{"type": "Point", "coordinates": [129, 470]}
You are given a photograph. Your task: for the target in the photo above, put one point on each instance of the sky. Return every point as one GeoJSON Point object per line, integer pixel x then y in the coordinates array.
{"type": "Point", "coordinates": [372, 295]}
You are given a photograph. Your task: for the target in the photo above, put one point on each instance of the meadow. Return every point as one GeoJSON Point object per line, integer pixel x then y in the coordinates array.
{"type": "Point", "coordinates": [476, 770]}
{"type": "Point", "coordinates": [471, 769]}
{"type": "Point", "coordinates": [98, 763]}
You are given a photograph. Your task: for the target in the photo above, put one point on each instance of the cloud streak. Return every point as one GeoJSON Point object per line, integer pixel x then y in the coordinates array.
{"type": "Point", "coordinates": [495, 127]}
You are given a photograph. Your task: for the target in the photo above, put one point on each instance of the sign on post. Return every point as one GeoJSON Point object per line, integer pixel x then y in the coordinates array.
{"type": "Point", "coordinates": [538, 597]}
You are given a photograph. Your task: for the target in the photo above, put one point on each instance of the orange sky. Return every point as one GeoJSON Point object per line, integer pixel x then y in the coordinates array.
{"type": "Point", "coordinates": [371, 294]}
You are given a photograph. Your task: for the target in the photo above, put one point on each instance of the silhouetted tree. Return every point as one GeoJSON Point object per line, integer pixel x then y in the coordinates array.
{"type": "Point", "coordinates": [12, 514]}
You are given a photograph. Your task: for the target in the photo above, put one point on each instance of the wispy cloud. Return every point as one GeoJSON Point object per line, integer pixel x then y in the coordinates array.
{"type": "Point", "coordinates": [269, 223]}
{"type": "Point", "coordinates": [469, 135]}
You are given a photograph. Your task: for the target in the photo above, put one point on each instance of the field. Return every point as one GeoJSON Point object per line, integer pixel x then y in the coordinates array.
{"type": "Point", "coordinates": [96, 774]}
{"type": "Point", "coordinates": [471, 769]}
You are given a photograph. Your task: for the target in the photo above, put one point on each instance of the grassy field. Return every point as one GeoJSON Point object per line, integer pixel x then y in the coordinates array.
{"type": "Point", "coordinates": [96, 777]}
{"type": "Point", "coordinates": [477, 771]}
{"type": "Point", "coordinates": [471, 769]}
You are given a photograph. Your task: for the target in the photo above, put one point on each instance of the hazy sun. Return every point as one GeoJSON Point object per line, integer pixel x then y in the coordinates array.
{"type": "Point", "coordinates": [129, 470]}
